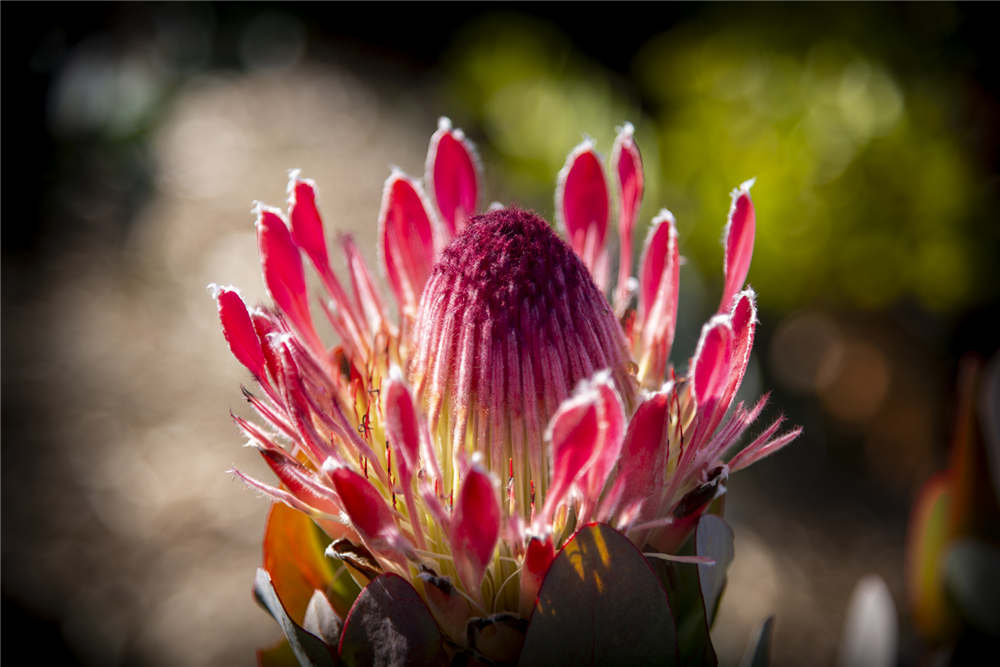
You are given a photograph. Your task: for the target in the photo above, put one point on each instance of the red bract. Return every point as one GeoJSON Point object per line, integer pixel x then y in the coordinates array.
{"type": "Point", "coordinates": [462, 444]}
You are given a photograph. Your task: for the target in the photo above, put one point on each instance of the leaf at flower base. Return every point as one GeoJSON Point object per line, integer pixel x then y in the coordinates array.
{"type": "Point", "coordinates": [279, 655]}
{"type": "Point", "coordinates": [390, 625]}
{"type": "Point", "coordinates": [321, 620]}
{"type": "Point", "coordinates": [498, 638]}
{"type": "Point", "coordinates": [294, 557]}
{"type": "Point", "coordinates": [600, 604]}
{"type": "Point", "coordinates": [758, 653]}
{"type": "Point", "coordinates": [308, 648]}
{"type": "Point", "coordinates": [970, 574]}
{"type": "Point", "coordinates": [450, 609]}
{"type": "Point", "coordinates": [713, 538]}
{"type": "Point", "coordinates": [681, 582]}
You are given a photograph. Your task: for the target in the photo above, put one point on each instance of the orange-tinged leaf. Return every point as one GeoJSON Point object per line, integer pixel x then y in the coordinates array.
{"type": "Point", "coordinates": [294, 557]}
{"type": "Point", "coordinates": [930, 533]}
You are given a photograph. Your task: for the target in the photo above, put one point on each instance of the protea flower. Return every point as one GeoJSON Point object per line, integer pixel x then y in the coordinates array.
{"type": "Point", "coordinates": [457, 447]}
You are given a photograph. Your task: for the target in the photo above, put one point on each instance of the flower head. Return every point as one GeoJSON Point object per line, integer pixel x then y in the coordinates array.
{"type": "Point", "coordinates": [510, 402]}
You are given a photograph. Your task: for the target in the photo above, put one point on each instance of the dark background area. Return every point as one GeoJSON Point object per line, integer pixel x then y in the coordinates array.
{"type": "Point", "coordinates": [83, 228]}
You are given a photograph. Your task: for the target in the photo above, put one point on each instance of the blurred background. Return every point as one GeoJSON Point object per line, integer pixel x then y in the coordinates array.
{"type": "Point", "coordinates": [135, 138]}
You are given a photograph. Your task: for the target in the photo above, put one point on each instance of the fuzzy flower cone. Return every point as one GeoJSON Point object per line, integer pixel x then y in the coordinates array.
{"type": "Point", "coordinates": [509, 464]}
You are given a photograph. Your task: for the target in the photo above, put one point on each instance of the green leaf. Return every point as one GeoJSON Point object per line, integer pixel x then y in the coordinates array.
{"type": "Point", "coordinates": [279, 655]}
{"type": "Point", "coordinates": [758, 653]}
{"type": "Point", "coordinates": [714, 538]}
{"type": "Point", "coordinates": [970, 573]}
{"type": "Point", "coordinates": [389, 624]}
{"type": "Point", "coordinates": [694, 589]}
{"type": "Point", "coordinates": [308, 648]}
{"type": "Point", "coordinates": [680, 580]}
{"type": "Point", "coordinates": [600, 604]}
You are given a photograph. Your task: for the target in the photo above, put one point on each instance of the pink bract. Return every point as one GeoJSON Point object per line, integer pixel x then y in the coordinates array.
{"type": "Point", "coordinates": [509, 402]}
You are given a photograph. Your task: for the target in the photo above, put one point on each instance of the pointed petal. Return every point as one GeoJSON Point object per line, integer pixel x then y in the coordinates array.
{"type": "Point", "coordinates": [761, 447]}
{"type": "Point", "coordinates": [613, 429]}
{"type": "Point", "coordinates": [365, 293]}
{"type": "Point", "coordinates": [283, 273]}
{"type": "Point", "coordinates": [582, 204]}
{"type": "Point", "coordinates": [307, 225]}
{"type": "Point", "coordinates": [744, 324]}
{"type": "Point", "coordinates": [403, 431]}
{"type": "Point", "coordinates": [282, 496]}
{"type": "Point", "coordinates": [238, 329]}
{"type": "Point", "coordinates": [368, 511]}
{"type": "Point", "coordinates": [626, 165]}
{"type": "Point", "coordinates": [738, 243]}
{"type": "Point", "coordinates": [406, 240]}
{"type": "Point", "coordinates": [710, 365]}
{"type": "Point", "coordinates": [402, 428]}
{"type": "Point", "coordinates": [452, 175]}
{"type": "Point", "coordinates": [297, 402]}
{"type": "Point", "coordinates": [307, 232]}
{"type": "Point", "coordinates": [659, 283]}
{"type": "Point", "coordinates": [574, 432]}
{"type": "Point", "coordinates": [300, 481]}
{"type": "Point", "coordinates": [264, 325]}
{"type": "Point", "coordinates": [475, 528]}
{"type": "Point", "coordinates": [537, 558]}
{"type": "Point", "coordinates": [640, 479]}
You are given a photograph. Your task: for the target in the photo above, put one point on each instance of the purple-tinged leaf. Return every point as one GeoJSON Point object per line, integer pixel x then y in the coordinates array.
{"type": "Point", "coordinates": [600, 604]}
{"type": "Point", "coordinates": [390, 625]}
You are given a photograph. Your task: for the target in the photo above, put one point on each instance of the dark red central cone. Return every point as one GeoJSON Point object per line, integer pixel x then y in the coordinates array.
{"type": "Point", "coordinates": [509, 322]}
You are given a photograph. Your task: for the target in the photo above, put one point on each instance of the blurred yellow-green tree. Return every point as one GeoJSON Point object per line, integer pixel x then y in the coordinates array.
{"type": "Point", "coordinates": [864, 193]}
